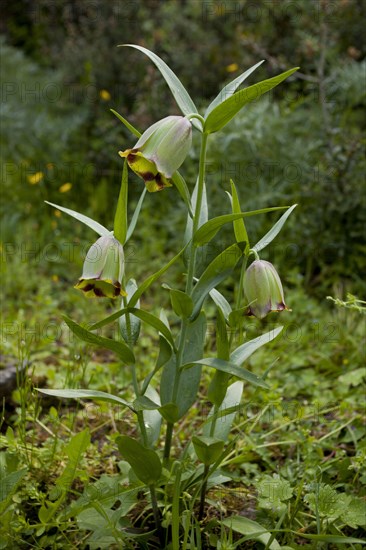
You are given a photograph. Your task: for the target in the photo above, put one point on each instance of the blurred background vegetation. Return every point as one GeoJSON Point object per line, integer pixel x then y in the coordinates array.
{"type": "Point", "coordinates": [61, 72]}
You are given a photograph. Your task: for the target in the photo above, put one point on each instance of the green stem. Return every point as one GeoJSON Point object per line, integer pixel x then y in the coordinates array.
{"type": "Point", "coordinates": [141, 421]}
{"type": "Point", "coordinates": [203, 493]}
{"type": "Point", "coordinates": [189, 288]}
{"type": "Point", "coordinates": [239, 297]}
{"type": "Point", "coordinates": [214, 420]}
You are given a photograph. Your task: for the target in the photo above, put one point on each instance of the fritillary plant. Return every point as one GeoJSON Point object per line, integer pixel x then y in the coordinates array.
{"type": "Point", "coordinates": [173, 485]}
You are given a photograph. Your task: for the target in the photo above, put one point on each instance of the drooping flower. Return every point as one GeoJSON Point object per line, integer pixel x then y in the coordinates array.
{"type": "Point", "coordinates": [160, 151]}
{"type": "Point", "coordinates": [103, 269]}
{"type": "Point", "coordinates": [263, 289]}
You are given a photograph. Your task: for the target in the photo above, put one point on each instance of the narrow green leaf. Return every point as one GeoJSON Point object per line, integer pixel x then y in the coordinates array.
{"type": "Point", "coordinates": [143, 461]}
{"type": "Point", "coordinates": [272, 233]}
{"type": "Point", "coordinates": [230, 368]}
{"type": "Point", "coordinates": [128, 125]}
{"type": "Point", "coordinates": [221, 302]}
{"type": "Point", "coordinates": [181, 185]}
{"type": "Point", "coordinates": [231, 88]}
{"type": "Point", "coordinates": [130, 331]}
{"type": "Point", "coordinates": [225, 111]}
{"type": "Point", "coordinates": [244, 351]}
{"type": "Point", "coordinates": [121, 349]}
{"type": "Point", "coordinates": [154, 322]}
{"type": "Point", "coordinates": [181, 303]}
{"type": "Point", "coordinates": [254, 530]}
{"type": "Point", "coordinates": [219, 382]}
{"type": "Point", "coordinates": [240, 231]}
{"type": "Point", "coordinates": [208, 230]}
{"type": "Point", "coordinates": [135, 217]}
{"type": "Point", "coordinates": [179, 92]}
{"type": "Point", "coordinates": [220, 268]}
{"type": "Point", "coordinates": [120, 218]}
{"type": "Point", "coordinates": [87, 394]}
{"type": "Point", "coordinates": [96, 226]}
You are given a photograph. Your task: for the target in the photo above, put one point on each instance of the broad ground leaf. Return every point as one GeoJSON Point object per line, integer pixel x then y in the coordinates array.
{"type": "Point", "coordinates": [144, 462]}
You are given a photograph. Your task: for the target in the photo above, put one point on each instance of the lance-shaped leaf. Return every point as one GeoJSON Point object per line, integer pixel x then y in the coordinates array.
{"type": "Point", "coordinates": [181, 185]}
{"type": "Point", "coordinates": [245, 350]}
{"type": "Point", "coordinates": [145, 316]}
{"type": "Point", "coordinates": [121, 349]}
{"type": "Point", "coordinates": [120, 218]}
{"type": "Point", "coordinates": [274, 231]}
{"type": "Point", "coordinates": [231, 88]}
{"type": "Point", "coordinates": [208, 230]}
{"type": "Point", "coordinates": [179, 92]}
{"type": "Point", "coordinates": [135, 217]}
{"type": "Point", "coordinates": [226, 110]}
{"type": "Point", "coordinates": [230, 368]}
{"type": "Point", "coordinates": [143, 461]}
{"type": "Point", "coordinates": [88, 394]}
{"type": "Point", "coordinates": [220, 268]}
{"type": "Point", "coordinates": [128, 125]}
{"type": "Point", "coordinates": [181, 303]}
{"type": "Point", "coordinates": [96, 226]}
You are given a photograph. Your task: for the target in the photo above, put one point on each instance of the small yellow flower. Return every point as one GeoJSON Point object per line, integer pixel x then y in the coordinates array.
{"type": "Point", "coordinates": [232, 68]}
{"type": "Point", "coordinates": [55, 278]}
{"type": "Point", "coordinates": [65, 187]}
{"type": "Point", "coordinates": [105, 95]}
{"type": "Point", "coordinates": [58, 213]}
{"type": "Point", "coordinates": [35, 178]}
{"type": "Point", "coordinates": [54, 224]}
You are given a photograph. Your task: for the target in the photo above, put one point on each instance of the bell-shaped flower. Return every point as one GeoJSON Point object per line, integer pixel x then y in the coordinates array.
{"type": "Point", "coordinates": [103, 269]}
{"type": "Point", "coordinates": [263, 289]}
{"type": "Point", "coordinates": [160, 151]}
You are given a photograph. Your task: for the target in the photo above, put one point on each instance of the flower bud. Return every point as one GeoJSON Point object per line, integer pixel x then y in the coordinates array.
{"type": "Point", "coordinates": [103, 269]}
{"type": "Point", "coordinates": [160, 151]}
{"type": "Point", "coordinates": [263, 289]}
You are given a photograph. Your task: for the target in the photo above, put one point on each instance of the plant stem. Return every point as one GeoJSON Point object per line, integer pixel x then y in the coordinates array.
{"type": "Point", "coordinates": [189, 287]}
{"type": "Point", "coordinates": [141, 421]}
{"type": "Point", "coordinates": [214, 420]}
{"type": "Point", "coordinates": [203, 493]}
